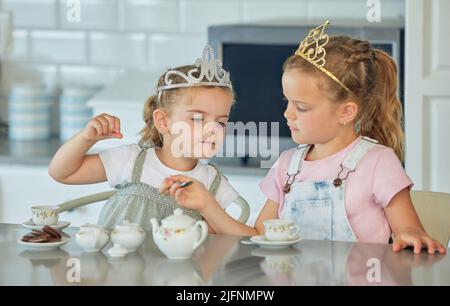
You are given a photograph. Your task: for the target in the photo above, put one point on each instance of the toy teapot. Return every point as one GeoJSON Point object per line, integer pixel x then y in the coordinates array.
{"type": "Point", "coordinates": [179, 235]}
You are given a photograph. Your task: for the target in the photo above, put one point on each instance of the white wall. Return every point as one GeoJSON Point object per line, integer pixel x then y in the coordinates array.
{"type": "Point", "coordinates": [114, 35]}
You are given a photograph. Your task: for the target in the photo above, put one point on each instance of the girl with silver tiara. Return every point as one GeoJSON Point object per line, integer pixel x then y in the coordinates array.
{"type": "Point", "coordinates": [184, 121]}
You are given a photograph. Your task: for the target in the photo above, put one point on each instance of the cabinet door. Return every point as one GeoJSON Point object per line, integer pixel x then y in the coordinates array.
{"type": "Point", "coordinates": [24, 186]}
{"type": "Point", "coordinates": [427, 106]}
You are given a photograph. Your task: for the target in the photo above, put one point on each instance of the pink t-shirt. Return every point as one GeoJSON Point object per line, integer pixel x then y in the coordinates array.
{"type": "Point", "coordinates": [378, 177]}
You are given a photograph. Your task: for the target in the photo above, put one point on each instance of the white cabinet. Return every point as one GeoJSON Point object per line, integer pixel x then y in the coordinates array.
{"type": "Point", "coordinates": [24, 186]}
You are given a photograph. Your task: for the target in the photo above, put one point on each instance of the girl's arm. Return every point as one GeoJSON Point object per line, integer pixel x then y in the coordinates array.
{"type": "Point", "coordinates": [406, 226]}
{"type": "Point", "coordinates": [269, 211]}
{"type": "Point", "coordinates": [197, 197]}
{"type": "Point", "coordinates": [223, 223]}
{"type": "Point", "coordinates": [71, 165]}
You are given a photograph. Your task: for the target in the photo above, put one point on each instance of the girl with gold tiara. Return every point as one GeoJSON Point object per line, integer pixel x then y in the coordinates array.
{"type": "Point", "coordinates": [345, 181]}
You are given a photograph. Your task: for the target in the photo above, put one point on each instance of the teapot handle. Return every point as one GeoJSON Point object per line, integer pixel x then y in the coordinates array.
{"type": "Point", "coordinates": [204, 234]}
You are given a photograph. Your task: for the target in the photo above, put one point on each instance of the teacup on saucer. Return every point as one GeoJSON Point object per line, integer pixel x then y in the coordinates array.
{"type": "Point", "coordinates": [58, 226]}
{"type": "Point", "coordinates": [280, 230]}
{"type": "Point", "coordinates": [45, 215]}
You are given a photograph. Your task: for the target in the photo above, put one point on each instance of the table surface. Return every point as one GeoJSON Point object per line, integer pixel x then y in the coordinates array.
{"type": "Point", "coordinates": [221, 260]}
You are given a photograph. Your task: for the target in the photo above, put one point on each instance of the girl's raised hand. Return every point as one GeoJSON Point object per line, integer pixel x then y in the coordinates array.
{"type": "Point", "coordinates": [194, 196]}
{"type": "Point", "coordinates": [101, 127]}
{"type": "Point", "coordinates": [417, 239]}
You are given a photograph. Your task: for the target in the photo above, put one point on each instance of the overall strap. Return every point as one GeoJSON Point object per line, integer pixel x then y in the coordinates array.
{"type": "Point", "coordinates": [295, 166]}
{"type": "Point", "coordinates": [358, 152]}
{"type": "Point", "coordinates": [297, 158]}
{"type": "Point", "coordinates": [216, 181]}
{"type": "Point", "coordinates": [139, 164]}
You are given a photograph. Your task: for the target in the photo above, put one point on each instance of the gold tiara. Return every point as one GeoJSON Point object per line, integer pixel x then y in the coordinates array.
{"type": "Point", "coordinates": [312, 49]}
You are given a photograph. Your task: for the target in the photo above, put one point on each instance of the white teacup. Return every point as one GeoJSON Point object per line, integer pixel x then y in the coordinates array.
{"type": "Point", "coordinates": [280, 230]}
{"type": "Point", "coordinates": [45, 215]}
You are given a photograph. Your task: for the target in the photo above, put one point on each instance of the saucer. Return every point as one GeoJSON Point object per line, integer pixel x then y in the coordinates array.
{"type": "Point", "coordinates": [58, 226]}
{"type": "Point", "coordinates": [263, 242]}
{"type": "Point", "coordinates": [43, 245]}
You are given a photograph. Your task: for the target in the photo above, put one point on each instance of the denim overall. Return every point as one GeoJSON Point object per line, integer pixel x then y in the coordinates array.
{"type": "Point", "coordinates": [138, 202]}
{"type": "Point", "coordinates": [318, 207]}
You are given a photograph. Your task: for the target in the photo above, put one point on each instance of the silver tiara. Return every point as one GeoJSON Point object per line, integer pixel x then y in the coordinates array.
{"type": "Point", "coordinates": [211, 73]}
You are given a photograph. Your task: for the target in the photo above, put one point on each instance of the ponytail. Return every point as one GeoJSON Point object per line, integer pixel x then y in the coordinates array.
{"type": "Point", "coordinates": [382, 115]}
{"type": "Point", "coordinates": [150, 134]}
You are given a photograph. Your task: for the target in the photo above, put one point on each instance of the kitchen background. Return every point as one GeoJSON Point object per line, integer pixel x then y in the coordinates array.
{"type": "Point", "coordinates": [114, 36]}
{"type": "Point", "coordinates": [109, 62]}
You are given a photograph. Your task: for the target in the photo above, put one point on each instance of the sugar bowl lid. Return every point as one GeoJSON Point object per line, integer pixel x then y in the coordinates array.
{"type": "Point", "coordinates": [178, 219]}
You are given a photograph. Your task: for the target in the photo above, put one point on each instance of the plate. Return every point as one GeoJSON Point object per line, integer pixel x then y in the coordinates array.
{"type": "Point", "coordinates": [58, 226]}
{"type": "Point", "coordinates": [43, 245]}
{"type": "Point", "coordinates": [263, 242]}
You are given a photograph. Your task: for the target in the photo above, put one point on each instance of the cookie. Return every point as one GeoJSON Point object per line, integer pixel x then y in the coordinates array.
{"type": "Point", "coordinates": [52, 232]}
{"type": "Point", "coordinates": [37, 233]}
{"type": "Point", "coordinates": [39, 239]}
{"type": "Point", "coordinates": [26, 238]}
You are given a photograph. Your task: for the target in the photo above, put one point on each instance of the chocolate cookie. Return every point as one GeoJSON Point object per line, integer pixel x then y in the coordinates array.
{"type": "Point", "coordinates": [52, 232]}
{"type": "Point", "coordinates": [53, 239]}
{"type": "Point", "coordinates": [26, 238]}
{"type": "Point", "coordinates": [37, 233]}
{"type": "Point", "coordinates": [38, 239]}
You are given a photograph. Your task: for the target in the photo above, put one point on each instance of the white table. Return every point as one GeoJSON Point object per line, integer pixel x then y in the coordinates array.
{"type": "Point", "coordinates": [222, 260]}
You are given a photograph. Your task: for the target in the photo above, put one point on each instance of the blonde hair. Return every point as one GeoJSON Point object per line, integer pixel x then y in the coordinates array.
{"type": "Point", "coordinates": [150, 134]}
{"type": "Point", "coordinates": [371, 75]}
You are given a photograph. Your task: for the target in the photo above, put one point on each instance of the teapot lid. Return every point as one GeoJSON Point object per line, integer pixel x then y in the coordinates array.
{"type": "Point", "coordinates": [178, 219]}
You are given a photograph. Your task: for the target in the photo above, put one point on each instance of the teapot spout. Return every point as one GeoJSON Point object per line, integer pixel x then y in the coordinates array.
{"type": "Point", "coordinates": [155, 225]}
